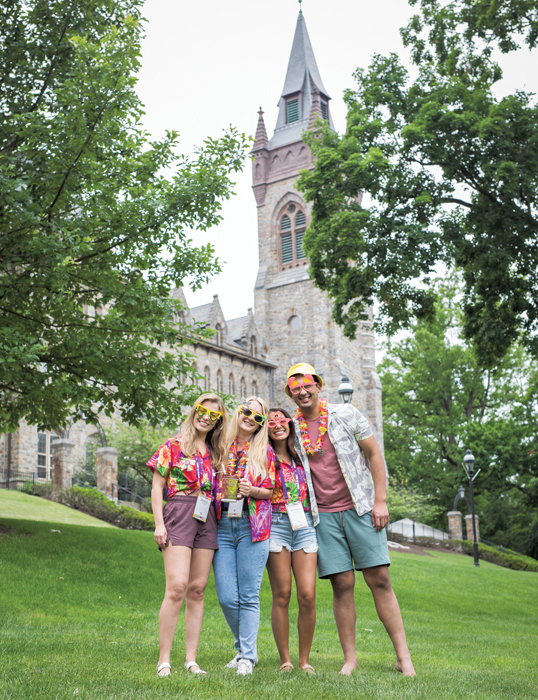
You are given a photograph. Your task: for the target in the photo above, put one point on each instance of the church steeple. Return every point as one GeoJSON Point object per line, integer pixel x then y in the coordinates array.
{"type": "Point", "coordinates": [302, 77]}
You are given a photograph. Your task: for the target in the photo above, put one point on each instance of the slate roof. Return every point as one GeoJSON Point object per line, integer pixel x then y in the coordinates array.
{"type": "Point", "coordinates": [201, 313]}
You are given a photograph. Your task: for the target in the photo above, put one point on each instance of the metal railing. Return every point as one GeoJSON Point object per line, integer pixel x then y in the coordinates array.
{"type": "Point", "coordinates": [125, 494]}
{"type": "Point", "coordinates": [16, 479]}
{"type": "Point", "coordinates": [413, 529]}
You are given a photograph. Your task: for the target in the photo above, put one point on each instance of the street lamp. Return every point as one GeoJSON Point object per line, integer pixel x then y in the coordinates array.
{"type": "Point", "coordinates": [468, 465]}
{"type": "Point", "coordinates": [345, 390]}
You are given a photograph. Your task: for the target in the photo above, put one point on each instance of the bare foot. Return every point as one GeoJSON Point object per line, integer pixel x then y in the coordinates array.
{"type": "Point", "coordinates": [348, 668]}
{"type": "Point", "coordinates": [405, 666]}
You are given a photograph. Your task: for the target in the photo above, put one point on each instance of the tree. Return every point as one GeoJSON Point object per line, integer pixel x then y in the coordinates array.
{"type": "Point", "coordinates": [94, 221]}
{"type": "Point", "coordinates": [451, 176]}
{"type": "Point", "coordinates": [438, 401]}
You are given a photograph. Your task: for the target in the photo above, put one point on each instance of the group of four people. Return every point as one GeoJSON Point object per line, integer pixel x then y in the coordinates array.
{"type": "Point", "coordinates": [312, 493]}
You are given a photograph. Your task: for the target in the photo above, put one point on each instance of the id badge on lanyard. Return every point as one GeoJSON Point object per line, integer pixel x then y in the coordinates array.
{"type": "Point", "coordinates": [235, 508]}
{"type": "Point", "coordinates": [295, 510]}
{"type": "Point", "coordinates": [296, 515]}
{"type": "Point", "coordinates": [201, 509]}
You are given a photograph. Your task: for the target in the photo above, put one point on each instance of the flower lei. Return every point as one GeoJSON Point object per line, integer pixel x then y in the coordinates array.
{"type": "Point", "coordinates": [322, 429]}
{"type": "Point", "coordinates": [232, 459]}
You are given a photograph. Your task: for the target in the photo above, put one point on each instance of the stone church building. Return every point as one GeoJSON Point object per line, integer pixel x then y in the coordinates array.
{"type": "Point", "coordinates": [291, 321]}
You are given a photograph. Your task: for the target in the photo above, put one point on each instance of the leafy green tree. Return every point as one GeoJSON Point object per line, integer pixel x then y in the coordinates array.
{"type": "Point", "coordinates": [438, 401]}
{"type": "Point", "coordinates": [94, 221]}
{"type": "Point", "coordinates": [135, 446]}
{"type": "Point", "coordinates": [450, 175]}
{"type": "Point", "coordinates": [404, 502]}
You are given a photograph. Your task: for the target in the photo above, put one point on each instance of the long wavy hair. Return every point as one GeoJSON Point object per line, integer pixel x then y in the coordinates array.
{"type": "Point", "coordinates": [291, 436]}
{"type": "Point", "coordinates": [257, 453]}
{"type": "Point", "coordinates": [216, 439]}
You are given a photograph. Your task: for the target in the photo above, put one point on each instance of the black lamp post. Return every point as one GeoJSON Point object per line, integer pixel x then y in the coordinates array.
{"type": "Point", "coordinates": [468, 465]}
{"type": "Point", "coordinates": [345, 390]}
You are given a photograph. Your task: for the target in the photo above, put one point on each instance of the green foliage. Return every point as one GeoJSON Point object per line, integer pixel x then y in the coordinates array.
{"type": "Point", "coordinates": [438, 400]}
{"type": "Point", "coordinates": [404, 502]}
{"type": "Point", "coordinates": [95, 503]}
{"type": "Point", "coordinates": [135, 446]}
{"type": "Point", "coordinates": [531, 543]}
{"type": "Point", "coordinates": [450, 173]}
{"type": "Point", "coordinates": [95, 219]}
{"type": "Point", "coordinates": [89, 598]}
{"type": "Point", "coordinates": [508, 560]}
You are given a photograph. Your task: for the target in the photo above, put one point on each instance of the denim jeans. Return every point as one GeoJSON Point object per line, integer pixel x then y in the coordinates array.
{"type": "Point", "coordinates": [238, 565]}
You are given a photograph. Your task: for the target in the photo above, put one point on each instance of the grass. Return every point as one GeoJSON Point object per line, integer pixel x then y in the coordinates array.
{"type": "Point", "coordinates": [79, 620]}
{"type": "Point", "coordinates": [14, 504]}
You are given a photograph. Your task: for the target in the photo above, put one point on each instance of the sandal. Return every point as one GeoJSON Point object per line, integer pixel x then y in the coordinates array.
{"type": "Point", "coordinates": [160, 667]}
{"type": "Point", "coordinates": [198, 671]}
{"type": "Point", "coordinates": [308, 669]}
{"type": "Point", "coordinates": [286, 667]}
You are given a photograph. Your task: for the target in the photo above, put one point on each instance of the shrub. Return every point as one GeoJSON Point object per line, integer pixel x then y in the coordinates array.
{"type": "Point", "coordinates": [93, 502]}
{"type": "Point", "coordinates": [508, 560]}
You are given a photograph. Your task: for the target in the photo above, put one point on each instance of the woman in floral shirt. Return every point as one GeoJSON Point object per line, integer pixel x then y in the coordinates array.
{"type": "Point", "coordinates": [186, 530]}
{"type": "Point", "coordinates": [243, 529]}
{"type": "Point", "coordinates": [293, 544]}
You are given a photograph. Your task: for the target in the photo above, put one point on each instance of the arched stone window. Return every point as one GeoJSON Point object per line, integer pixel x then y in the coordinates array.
{"type": "Point", "coordinates": [231, 385]}
{"type": "Point", "coordinates": [292, 226]}
{"type": "Point", "coordinates": [253, 346]}
{"type": "Point", "coordinates": [219, 382]}
{"type": "Point", "coordinates": [218, 337]}
{"type": "Point", "coordinates": [243, 388]}
{"type": "Point", "coordinates": [207, 384]}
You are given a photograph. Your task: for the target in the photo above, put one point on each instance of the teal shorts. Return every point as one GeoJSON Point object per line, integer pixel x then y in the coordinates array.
{"type": "Point", "coordinates": [347, 541]}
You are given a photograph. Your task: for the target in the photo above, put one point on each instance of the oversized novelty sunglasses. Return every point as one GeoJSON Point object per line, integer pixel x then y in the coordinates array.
{"type": "Point", "coordinates": [276, 419]}
{"type": "Point", "coordinates": [213, 416]}
{"type": "Point", "coordinates": [249, 413]}
{"type": "Point", "coordinates": [306, 382]}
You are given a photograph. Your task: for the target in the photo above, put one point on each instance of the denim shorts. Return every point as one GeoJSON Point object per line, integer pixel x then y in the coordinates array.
{"type": "Point", "coordinates": [293, 540]}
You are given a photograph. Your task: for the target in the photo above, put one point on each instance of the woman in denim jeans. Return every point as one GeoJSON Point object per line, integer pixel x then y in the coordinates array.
{"type": "Point", "coordinates": [243, 536]}
{"type": "Point", "coordinates": [291, 548]}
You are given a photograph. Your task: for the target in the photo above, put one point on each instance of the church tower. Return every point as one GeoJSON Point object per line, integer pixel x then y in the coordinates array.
{"type": "Point", "coordinates": [294, 317]}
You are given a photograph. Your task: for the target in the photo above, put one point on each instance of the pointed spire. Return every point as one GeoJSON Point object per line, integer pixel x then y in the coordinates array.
{"type": "Point", "coordinates": [261, 133]}
{"type": "Point", "coordinates": [300, 9]}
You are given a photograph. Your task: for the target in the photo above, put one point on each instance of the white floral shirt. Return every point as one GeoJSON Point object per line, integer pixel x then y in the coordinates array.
{"type": "Point", "coordinates": [346, 428]}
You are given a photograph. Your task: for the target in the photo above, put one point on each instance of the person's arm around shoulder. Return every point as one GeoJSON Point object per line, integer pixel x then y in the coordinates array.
{"type": "Point", "coordinates": [380, 513]}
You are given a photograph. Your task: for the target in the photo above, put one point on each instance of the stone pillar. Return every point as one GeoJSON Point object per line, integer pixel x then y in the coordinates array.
{"type": "Point", "coordinates": [107, 471]}
{"type": "Point", "coordinates": [63, 463]}
{"type": "Point", "coordinates": [454, 525]}
{"type": "Point", "coordinates": [469, 526]}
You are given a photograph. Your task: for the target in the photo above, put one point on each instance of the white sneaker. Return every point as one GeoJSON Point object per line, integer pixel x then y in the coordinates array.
{"type": "Point", "coordinates": [233, 663]}
{"type": "Point", "coordinates": [244, 667]}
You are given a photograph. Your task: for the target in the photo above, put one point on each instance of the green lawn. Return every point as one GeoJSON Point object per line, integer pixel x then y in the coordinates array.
{"type": "Point", "coordinates": [14, 504]}
{"type": "Point", "coordinates": [79, 620]}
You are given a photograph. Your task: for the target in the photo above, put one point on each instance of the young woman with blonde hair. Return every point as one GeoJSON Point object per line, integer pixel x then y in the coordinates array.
{"type": "Point", "coordinates": [243, 529]}
{"type": "Point", "coordinates": [186, 529]}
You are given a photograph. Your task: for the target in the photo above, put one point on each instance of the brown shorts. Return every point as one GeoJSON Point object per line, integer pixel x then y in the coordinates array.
{"type": "Point", "coordinates": [185, 531]}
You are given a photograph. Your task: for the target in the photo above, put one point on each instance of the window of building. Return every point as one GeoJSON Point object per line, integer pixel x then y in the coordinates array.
{"type": "Point", "coordinates": [218, 337]}
{"type": "Point", "coordinates": [292, 231]}
{"type": "Point", "coordinates": [292, 110]}
{"type": "Point", "coordinates": [243, 388]}
{"type": "Point", "coordinates": [254, 388]}
{"type": "Point", "coordinates": [219, 382]}
{"type": "Point", "coordinates": [231, 385]}
{"type": "Point", "coordinates": [42, 456]}
{"type": "Point", "coordinates": [324, 110]}
{"type": "Point", "coordinates": [253, 347]}
{"type": "Point", "coordinates": [207, 374]}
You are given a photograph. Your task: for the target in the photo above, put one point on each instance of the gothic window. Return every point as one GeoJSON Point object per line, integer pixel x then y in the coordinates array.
{"type": "Point", "coordinates": [292, 231]}
{"type": "Point", "coordinates": [218, 337]}
{"type": "Point", "coordinates": [243, 388]}
{"type": "Point", "coordinates": [254, 388]}
{"type": "Point", "coordinates": [324, 110]}
{"type": "Point", "coordinates": [231, 386]}
{"type": "Point", "coordinates": [220, 388]}
{"type": "Point", "coordinates": [253, 349]}
{"type": "Point", "coordinates": [292, 110]}
{"type": "Point", "coordinates": [207, 373]}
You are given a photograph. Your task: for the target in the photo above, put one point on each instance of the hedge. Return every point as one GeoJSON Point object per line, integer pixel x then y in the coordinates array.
{"type": "Point", "coordinates": [508, 560]}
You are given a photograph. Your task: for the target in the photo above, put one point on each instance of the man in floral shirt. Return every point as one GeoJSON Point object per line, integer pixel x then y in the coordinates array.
{"type": "Point", "coordinates": [341, 456]}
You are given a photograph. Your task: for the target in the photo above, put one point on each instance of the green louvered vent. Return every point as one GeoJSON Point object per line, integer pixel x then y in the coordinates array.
{"type": "Point", "coordinates": [285, 224]}
{"type": "Point", "coordinates": [324, 110]}
{"type": "Point", "coordinates": [299, 235]}
{"type": "Point", "coordinates": [300, 219]}
{"type": "Point", "coordinates": [292, 110]}
{"type": "Point", "coordinates": [287, 248]}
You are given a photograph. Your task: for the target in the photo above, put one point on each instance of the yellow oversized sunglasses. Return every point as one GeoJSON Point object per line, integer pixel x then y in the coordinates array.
{"type": "Point", "coordinates": [249, 413]}
{"type": "Point", "coordinates": [213, 416]}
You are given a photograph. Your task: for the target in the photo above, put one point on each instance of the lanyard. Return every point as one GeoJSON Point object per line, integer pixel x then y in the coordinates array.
{"type": "Point", "coordinates": [283, 480]}
{"type": "Point", "coordinates": [200, 470]}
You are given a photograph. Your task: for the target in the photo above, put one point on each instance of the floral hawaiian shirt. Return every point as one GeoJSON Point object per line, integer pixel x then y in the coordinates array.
{"type": "Point", "coordinates": [259, 510]}
{"type": "Point", "coordinates": [180, 471]}
{"type": "Point", "coordinates": [347, 427]}
{"type": "Point", "coordinates": [295, 492]}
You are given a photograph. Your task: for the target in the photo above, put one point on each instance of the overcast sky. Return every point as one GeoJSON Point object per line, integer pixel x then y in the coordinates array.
{"type": "Point", "coordinates": [209, 64]}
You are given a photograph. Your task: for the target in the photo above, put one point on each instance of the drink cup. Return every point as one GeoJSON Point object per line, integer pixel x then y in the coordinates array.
{"type": "Point", "coordinates": [230, 488]}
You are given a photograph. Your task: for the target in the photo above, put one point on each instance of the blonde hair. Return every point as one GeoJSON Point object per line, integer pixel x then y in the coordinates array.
{"type": "Point", "coordinates": [216, 439]}
{"type": "Point", "coordinates": [257, 452]}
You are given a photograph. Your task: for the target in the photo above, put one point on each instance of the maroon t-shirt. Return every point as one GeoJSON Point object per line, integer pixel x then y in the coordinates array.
{"type": "Point", "coordinates": [332, 493]}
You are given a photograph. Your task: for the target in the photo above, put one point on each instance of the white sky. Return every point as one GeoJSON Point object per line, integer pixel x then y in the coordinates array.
{"type": "Point", "coordinates": [209, 64]}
